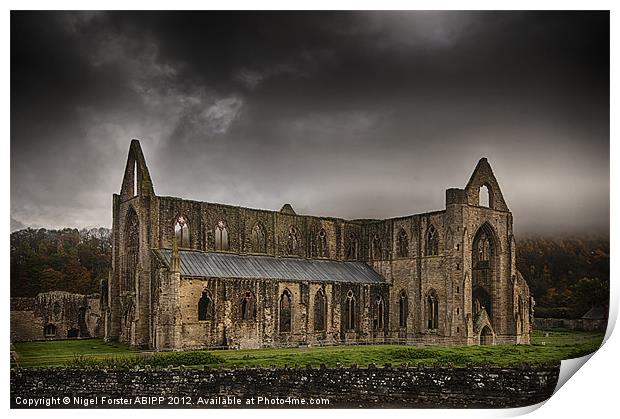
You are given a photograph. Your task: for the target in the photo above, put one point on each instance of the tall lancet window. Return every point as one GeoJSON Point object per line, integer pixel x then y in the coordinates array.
{"type": "Point", "coordinates": [181, 232]}
{"type": "Point", "coordinates": [221, 236]}
{"type": "Point", "coordinates": [285, 312]}
{"type": "Point", "coordinates": [259, 239]}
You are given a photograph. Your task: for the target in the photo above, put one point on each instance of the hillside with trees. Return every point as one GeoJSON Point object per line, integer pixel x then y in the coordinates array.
{"type": "Point", "coordinates": [567, 276]}
{"type": "Point", "coordinates": [67, 260]}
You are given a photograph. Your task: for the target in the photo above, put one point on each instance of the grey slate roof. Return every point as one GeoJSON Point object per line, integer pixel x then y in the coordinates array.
{"type": "Point", "coordinates": [228, 265]}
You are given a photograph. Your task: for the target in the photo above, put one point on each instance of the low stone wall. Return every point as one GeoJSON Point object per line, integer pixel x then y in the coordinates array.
{"type": "Point", "coordinates": [282, 387]}
{"type": "Point", "coordinates": [588, 325]}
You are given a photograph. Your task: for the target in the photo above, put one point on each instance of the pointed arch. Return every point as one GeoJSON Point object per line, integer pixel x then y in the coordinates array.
{"type": "Point", "coordinates": [376, 247]}
{"type": "Point", "coordinates": [221, 236]}
{"type": "Point", "coordinates": [350, 312]}
{"type": "Point", "coordinates": [259, 238]}
{"type": "Point", "coordinates": [206, 310]}
{"type": "Point", "coordinates": [402, 244]}
{"type": "Point", "coordinates": [320, 311]}
{"type": "Point", "coordinates": [353, 247]}
{"type": "Point", "coordinates": [181, 231]}
{"type": "Point", "coordinates": [321, 247]}
{"type": "Point", "coordinates": [292, 241]}
{"type": "Point", "coordinates": [285, 311]}
{"type": "Point", "coordinates": [248, 306]}
{"type": "Point", "coordinates": [131, 241]}
{"type": "Point", "coordinates": [432, 310]}
{"type": "Point", "coordinates": [379, 320]}
{"type": "Point", "coordinates": [484, 251]}
{"type": "Point", "coordinates": [432, 241]}
{"type": "Point", "coordinates": [136, 179]}
{"type": "Point", "coordinates": [483, 176]}
{"type": "Point", "coordinates": [403, 309]}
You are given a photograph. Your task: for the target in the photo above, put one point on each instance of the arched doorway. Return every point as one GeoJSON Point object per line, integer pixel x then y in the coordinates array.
{"type": "Point", "coordinates": [486, 336]}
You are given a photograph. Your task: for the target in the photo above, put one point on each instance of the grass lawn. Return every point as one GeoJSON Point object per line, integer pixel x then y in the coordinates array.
{"type": "Point", "coordinates": [558, 345]}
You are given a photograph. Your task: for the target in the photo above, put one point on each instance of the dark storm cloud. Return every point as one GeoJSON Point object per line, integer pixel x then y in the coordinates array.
{"type": "Point", "coordinates": [368, 114]}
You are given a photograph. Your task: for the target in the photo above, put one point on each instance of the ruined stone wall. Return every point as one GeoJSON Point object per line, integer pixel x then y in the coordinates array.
{"type": "Point", "coordinates": [72, 315]}
{"type": "Point", "coordinates": [144, 307]}
{"type": "Point", "coordinates": [228, 329]}
{"type": "Point", "coordinates": [342, 387]}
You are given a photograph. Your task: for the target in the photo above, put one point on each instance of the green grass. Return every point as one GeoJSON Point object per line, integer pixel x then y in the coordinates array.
{"type": "Point", "coordinates": [558, 345]}
{"type": "Point", "coordinates": [63, 352]}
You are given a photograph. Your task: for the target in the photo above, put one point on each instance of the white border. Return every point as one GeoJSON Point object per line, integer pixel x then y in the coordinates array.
{"type": "Point", "coordinates": [592, 393]}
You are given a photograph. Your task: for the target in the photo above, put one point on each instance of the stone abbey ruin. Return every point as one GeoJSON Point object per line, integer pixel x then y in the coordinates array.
{"type": "Point", "coordinates": [188, 274]}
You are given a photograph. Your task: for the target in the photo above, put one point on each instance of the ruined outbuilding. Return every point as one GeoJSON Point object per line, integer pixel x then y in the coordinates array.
{"type": "Point", "coordinates": [55, 315]}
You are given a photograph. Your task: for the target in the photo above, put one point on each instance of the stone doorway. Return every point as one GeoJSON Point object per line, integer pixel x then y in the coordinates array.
{"type": "Point", "coordinates": [486, 336]}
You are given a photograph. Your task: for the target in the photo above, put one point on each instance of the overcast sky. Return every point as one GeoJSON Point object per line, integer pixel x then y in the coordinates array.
{"type": "Point", "coordinates": [353, 115]}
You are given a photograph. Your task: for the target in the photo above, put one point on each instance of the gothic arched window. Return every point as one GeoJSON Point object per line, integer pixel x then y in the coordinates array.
{"type": "Point", "coordinates": [379, 314]}
{"type": "Point", "coordinates": [259, 239]}
{"type": "Point", "coordinates": [377, 247]}
{"type": "Point", "coordinates": [221, 236]}
{"type": "Point", "coordinates": [402, 244]}
{"type": "Point", "coordinates": [432, 310]}
{"type": "Point", "coordinates": [292, 241]}
{"type": "Point", "coordinates": [403, 309]}
{"type": "Point", "coordinates": [285, 312]}
{"type": "Point", "coordinates": [248, 306]}
{"type": "Point", "coordinates": [432, 241]}
{"type": "Point", "coordinates": [181, 232]}
{"type": "Point", "coordinates": [323, 251]}
{"type": "Point", "coordinates": [353, 247]}
{"type": "Point", "coordinates": [205, 307]}
{"type": "Point", "coordinates": [132, 246]}
{"type": "Point", "coordinates": [350, 311]}
{"type": "Point", "coordinates": [320, 311]}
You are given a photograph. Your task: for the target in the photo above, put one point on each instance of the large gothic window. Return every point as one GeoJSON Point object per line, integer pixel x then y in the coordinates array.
{"type": "Point", "coordinates": [181, 232]}
{"type": "Point", "coordinates": [483, 266]}
{"type": "Point", "coordinates": [379, 314]}
{"type": "Point", "coordinates": [402, 244]}
{"type": "Point", "coordinates": [259, 239]}
{"type": "Point", "coordinates": [285, 312]}
{"type": "Point", "coordinates": [350, 311]}
{"type": "Point", "coordinates": [403, 309]}
{"type": "Point", "coordinates": [353, 247]}
{"type": "Point", "coordinates": [377, 247]}
{"type": "Point", "coordinates": [205, 307]}
{"type": "Point", "coordinates": [132, 249]}
{"type": "Point", "coordinates": [248, 306]}
{"type": "Point", "coordinates": [221, 236]}
{"type": "Point", "coordinates": [432, 310]}
{"type": "Point", "coordinates": [432, 241]}
{"type": "Point", "coordinates": [320, 311]}
{"type": "Point", "coordinates": [292, 241]}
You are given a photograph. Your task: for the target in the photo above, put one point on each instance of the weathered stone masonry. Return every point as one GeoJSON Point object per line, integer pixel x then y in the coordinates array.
{"type": "Point", "coordinates": [55, 315]}
{"type": "Point", "coordinates": [343, 387]}
{"type": "Point", "coordinates": [188, 274]}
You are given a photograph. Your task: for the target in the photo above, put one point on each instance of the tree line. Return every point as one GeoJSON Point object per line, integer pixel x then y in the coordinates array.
{"type": "Point", "coordinates": [67, 260]}
{"type": "Point", "coordinates": [567, 276]}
